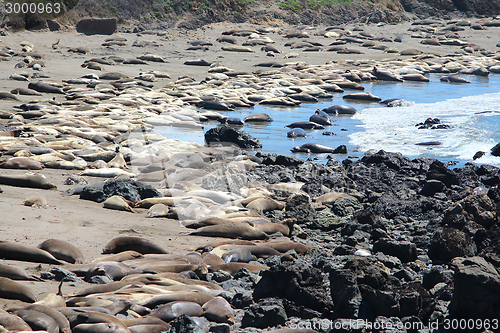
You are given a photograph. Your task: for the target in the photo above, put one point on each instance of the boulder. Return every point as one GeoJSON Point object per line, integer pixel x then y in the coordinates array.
{"type": "Point", "coordinates": [296, 281]}
{"type": "Point", "coordinates": [476, 289]}
{"type": "Point", "coordinates": [448, 243]}
{"type": "Point", "coordinates": [97, 26]}
{"type": "Point", "coordinates": [227, 134]}
{"type": "Point", "coordinates": [270, 313]}
{"type": "Point", "coordinates": [403, 250]}
{"type": "Point", "coordinates": [54, 25]}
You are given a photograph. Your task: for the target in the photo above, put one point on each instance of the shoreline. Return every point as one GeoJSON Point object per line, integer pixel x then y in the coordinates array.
{"type": "Point", "coordinates": [394, 206]}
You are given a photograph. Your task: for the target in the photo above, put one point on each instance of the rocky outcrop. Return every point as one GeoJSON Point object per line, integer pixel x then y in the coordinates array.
{"type": "Point", "coordinates": [97, 26]}
{"type": "Point", "coordinates": [229, 135]}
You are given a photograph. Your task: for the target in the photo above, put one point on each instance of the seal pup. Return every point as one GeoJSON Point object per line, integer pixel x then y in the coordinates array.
{"type": "Point", "coordinates": [36, 201]}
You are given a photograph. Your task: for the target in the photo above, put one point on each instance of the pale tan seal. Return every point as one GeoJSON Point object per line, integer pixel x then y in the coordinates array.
{"type": "Point", "coordinates": [117, 202]}
{"type": "Point", "coordinates": [173, 310]}
{"type": "Point", "coordinates": [27, 163]}
{"type": "Point", "coordinates": [219, 311]}
{"type": "Point", "coordinates": [230, 230]}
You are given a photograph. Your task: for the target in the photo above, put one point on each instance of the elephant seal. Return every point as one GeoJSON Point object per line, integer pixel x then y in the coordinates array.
{"type": "Point", "coordinates": [312, 148]}
{"type": "Point", "coordinates": [429, 143]}
{"type": "Point", "coordinates": [27, 180]}
{"type": "Point", "coordinates": [39, 321]}
{"type": "Point", "coordinates": [117, 202]}
{"type": "Point", "coordinates": [59, 318]}
{"type": "Point", "coordinates": [330, 198]}
{"type": "Point", "coordinates": [9, 96]}
{"type": "Point", "coordinates": [62, 250]}
{"type": "Point", "coordinates": [285, 246]}
{"type": "Point", "coordinates": [14, 290]}
{"type": "Point", "coordinates": [126, 243]}
{"type": "Point", "coordinates": [13, 323]}
{"type": "Point", "coordinates": [173, 310]}
{"type": "Point", "coordinates": [26, 163]}
{"type": "Point", "coordinates": [364, 96]}
{"type": "Point", "coordinates": [296, 133]}
{"type": "Point", "coordinates": [215, 105]}
{"type": "Point", "coordinates": [158, 210]}
{"type": "Point", "coordinates": [45, 87]}
{"type": "Point", "coordinates": [415, 77]}
{"type": "Point", "coordinates": [219, 311]}
{"type": "Point", "coordinates": [14, 251]}
{"type": "Point", "coordinates": [197, 62]}
{"type": "Point", "coordinates": [263, 205]}
{"type": "Point", "coordinates": [230, 230]}
{"type": "Point", "coordinates": [385, 75]}
{"type": "Point", "coordinates": [36, 200]}
{"type": "Point", "coordinates": [233, 267]}
{"type": "Point", "coordinates": [100, 328]}
{"type": "Point", "coordinates": [340, 110]}
{"type": "Point", "coordinates": [325, 121]}
{"type": "Point", "coordinates": [453, 79]}
{"type": "Point", "coordinates": [305, 125]}
{"type": "Point", "coordinates": [258, 117]}
{"type": "Point", "coordinates": [196, 296]}
{"type": "Point", "coordinates": [25, 91]}
{"type": "Point", "coordinates": [15, 273]}
{"type": "Point", "coordinates": [120, 257]}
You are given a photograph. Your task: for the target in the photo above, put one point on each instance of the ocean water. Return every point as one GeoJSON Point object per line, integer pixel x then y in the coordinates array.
{"type": "Point", "coordinates": [473, 111]}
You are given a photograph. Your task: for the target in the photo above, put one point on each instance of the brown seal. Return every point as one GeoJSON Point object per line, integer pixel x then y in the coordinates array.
{"type": "Point", "coordinates": [39, 321]}
{"type": "Point", "coordinates": [27, 180]}
{"type": "Point", "coordinates": [59, 318]}
{"type": "Point", "coordinates": [13, 323]}
{"type": "Point", "coordinates": [13, 251]}
{"type": "Point", "coordinates": [126, 243]}
{"type": "Point", "coordinates": [62, 250]}
{"type": "Point", "coordinates": [26, 163]}
{"type": "Point", "coordinates": [14, 290]}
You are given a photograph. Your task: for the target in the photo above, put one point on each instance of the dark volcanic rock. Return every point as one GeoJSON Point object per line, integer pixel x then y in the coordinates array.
{"type": "Point", "coordinates": [129, 189]}
{"type": "Point", "coordinates": [405, 251]}
{"type": "Point", "coordinates": [296, 281]}
{"type": "Point", "coordinates": [440, 172]}
{"type": "Point", "coordinates": [185, 324]}
{"type": "Point", "coordinates": [269, 313]}
{"type": "Point", "coordinates": [96, 26]}
{"type": "Point", "coordinates": [448, 243]}
{"type": "Point", "coordinates": [346, 206]}
{"type": "Point", "coordinates": [227, 134]}
{"type": "Point", "coordinates": [286, 161]}
{"type": "Point", "coordinates": [432, 187]}
{"type": "Point", "coordinates": [495, 151]}
{"type": "Point", "coordinates": [476, 289]}
{"type": "Point", "coordinates": [345, 293]}
{"type": "Point", "coordinates": [298, 206]}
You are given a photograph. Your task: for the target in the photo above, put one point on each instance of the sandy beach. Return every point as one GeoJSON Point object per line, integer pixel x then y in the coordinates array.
{"type": "Point", "coordinates": [89, 226]}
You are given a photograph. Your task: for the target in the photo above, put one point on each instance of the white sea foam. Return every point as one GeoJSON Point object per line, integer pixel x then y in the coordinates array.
{"type": "Point", "coordinates": [393, 129]}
